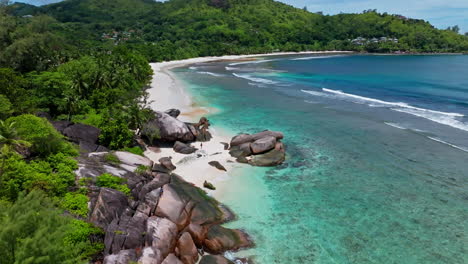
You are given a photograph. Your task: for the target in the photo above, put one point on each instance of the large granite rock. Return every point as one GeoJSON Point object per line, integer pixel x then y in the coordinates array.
{"type": "Point", "coordinates": [123, 257]}
{"type": "Point", "coordinates": [186, 249]}
{"type": "Point", "coordinates": [172, 259]}
{"type": "Point", "coordinates": [82, 132]}
{"type": "Point", "coordinates": [133, 160]}
{"type": "Point", "coordinates": [245, 138]}
{"type": "Point", "coordinates": [182, 148]}
{"type": "Point", "coordinates": [150, 255]}
{"type": "Point", "coordinates": [161, 234]}
{"type": "Point", "coordinates": [220, 239]}
{"type": "Point", "coordinates": [173, 112]}
{"type": "Point", "coordinates": [109, 205]}
{"type": "Point", "coordinates": [263, 144]}
{"type": "Point", "coordinates": [166, 162]}
{"type": "Point", "coordinates": [272, 158]}
{"type": "Point", "coordinates": [173, 207]}
{"type": "Point", "coordinates": [215, 259]}
{"type": "Point", "coordinates": [169, 129]}
{"type": "Point", "coordinates": [61, 125]}
{"type": "Point", "coordinates": [242, 150]}
{"type": "Point", "coordinates": [126, 232]}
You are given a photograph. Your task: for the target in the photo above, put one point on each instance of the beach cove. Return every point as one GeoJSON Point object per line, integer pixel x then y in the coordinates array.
{"type": "Point", "coordinates": [344, 195]}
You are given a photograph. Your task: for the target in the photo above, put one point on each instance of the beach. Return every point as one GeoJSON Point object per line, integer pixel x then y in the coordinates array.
{"type": "Point", "coordinates": [167, 92]}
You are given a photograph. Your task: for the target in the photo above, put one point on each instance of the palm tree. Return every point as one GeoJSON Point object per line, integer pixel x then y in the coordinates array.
{"type": "Point", "coordinates": [9, 137]}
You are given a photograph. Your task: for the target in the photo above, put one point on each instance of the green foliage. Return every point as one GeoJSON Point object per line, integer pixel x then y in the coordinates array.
{"type": "Point", "coordinates": [110, 181]}
{"type": "Point", "coordinates": [141, 169]}
{"type": "Point", "coordinates": [41, 134]}
{"type": "Point", "coordinates": [112, 158]}
{"type": "Point", "coordinates": [135, 150]}
{"type": "Point", "coordinates": [33, 231]}
{"type": "Point", "coordinates": [5, 107]}
{"type": "Point", "coordinates": [78, 236]}
{"type": "Point", "coordinates": [75, 203]}
{"type": "Point", "coordinates": [54, 175]}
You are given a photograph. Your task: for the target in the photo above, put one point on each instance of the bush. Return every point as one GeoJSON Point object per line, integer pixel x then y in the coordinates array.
{"type": "Point", "coordinates": [33, 231]}
{"type": "Point", "coordinates": [41, 134]}
{"type": "Point", "coordinates": [135, 150]}
{"type": "Point", "coordinates": [53, 175]}
{"type": "Point", "coordinates": [110, 181]}
{"type": "Point", "coordinates": [111, 158]}
{"type": "Point", "coordinates": [75, 203]}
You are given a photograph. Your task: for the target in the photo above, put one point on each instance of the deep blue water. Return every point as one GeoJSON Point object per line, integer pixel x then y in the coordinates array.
{"type": "Point", "coordinates": [377, 166]}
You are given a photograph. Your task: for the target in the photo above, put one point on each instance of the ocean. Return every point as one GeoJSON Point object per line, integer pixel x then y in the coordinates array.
{"type": "Point", "coordinates": [377, 155]}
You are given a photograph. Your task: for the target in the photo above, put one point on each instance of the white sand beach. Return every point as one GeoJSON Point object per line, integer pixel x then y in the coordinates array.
{"type": "Point", "coordinates": [167, 92]}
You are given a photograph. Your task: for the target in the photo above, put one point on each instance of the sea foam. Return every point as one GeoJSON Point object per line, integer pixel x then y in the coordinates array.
{"type": "Point", "coordinates": [446, 143]}
{"type": "Point", "coordinates": [445, 118]}
{"type": "Point", "coordinates": [318, 57]}
{"type": "Point", "coordinates": [211, 73]}
{"type": "Point", "coordinates": [254, 79]}
{"type": "Point", "coordinates": [249, 62]}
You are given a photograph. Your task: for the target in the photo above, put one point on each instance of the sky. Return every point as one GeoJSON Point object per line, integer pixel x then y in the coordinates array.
{"type": "Point", "coordinates": [440, 13]}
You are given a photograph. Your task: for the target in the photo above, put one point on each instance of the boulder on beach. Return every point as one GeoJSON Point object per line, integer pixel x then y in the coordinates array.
{"type": "Point", "coordinates": [166, 162]}
{"type": "Point", "coordinates": [166, 128]}
{"type": "Point", "coordinates": [182, 148]}
{"type": "Point", "coordinates": [245, 138]}
{"type": "Point", "coordinates": [217, 165]}
{"type": "Point", "coordinates": [263, 144]}
{"type": "Point", "coordinates": [272, 158]}
{"type": "Point", "coordinates": [209, 186]}
{"type": "Point", "coordinates": [242, 150]}
{"type": "Point", "coordinates": [172, 259]}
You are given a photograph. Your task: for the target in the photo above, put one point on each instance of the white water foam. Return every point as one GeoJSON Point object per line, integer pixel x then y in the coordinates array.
{"type": "Point", "coordinates": [211, 73]}
{"type": "Point", "coordinates": [446, 143]}
{"type": "Point", "coordinates": [254, 79]}
{"type": "Point", "coordinates": [193, 68]}
{"type": "Point", "coordinates": [396, 125]}
{"type": "Point", "coordinates": [231, 68]}
{"type": "Point", "coordinates": [249, 62]}
{"type": "Point", "coordinates": [445, 118]}
{"type": "Point", "coordinates": [318, 57]}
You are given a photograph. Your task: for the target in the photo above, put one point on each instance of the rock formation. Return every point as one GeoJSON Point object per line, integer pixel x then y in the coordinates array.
{"type": "Point", "coordinates": [261, 149]}
{"type": "Point", "coordinates": [165, 219]}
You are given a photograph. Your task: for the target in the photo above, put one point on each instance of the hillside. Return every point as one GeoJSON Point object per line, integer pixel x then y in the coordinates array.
{"type": "Point", "coordinates": [180, 29]}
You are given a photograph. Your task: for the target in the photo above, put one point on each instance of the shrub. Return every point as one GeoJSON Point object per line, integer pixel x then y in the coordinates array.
{"type": "Point", "coordinates": [41, 134]}
{"type": "Point", "coordinates": [75, 203]}
{"type": "Point", "coordinates": [109, 157]}
{"type": "Point", "coordinates": [33, 231]}
{"type": "Point", "coordinates": [113, 182]}
{"type": "Point", "coordinates": [135, 150]}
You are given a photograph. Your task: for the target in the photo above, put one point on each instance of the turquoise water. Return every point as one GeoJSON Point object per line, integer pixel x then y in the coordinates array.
{"type": "Point", "coordinates": [376, 169]}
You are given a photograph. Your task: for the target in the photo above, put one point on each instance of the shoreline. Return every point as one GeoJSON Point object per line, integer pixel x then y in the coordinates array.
{"type": "Point", "coordinates": [166, 92]}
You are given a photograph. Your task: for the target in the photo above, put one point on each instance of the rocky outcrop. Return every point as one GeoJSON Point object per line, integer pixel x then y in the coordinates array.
{"type": "Point", "coordinates": [220, 239]}
{"type": "Point", "coordinates": [85, 136]}
{"type": "Point", "coordinates": [262, 149]}
{"type": "Point", "coordinates": [173, 112]}
{"type": "Point", "coordinates": [182, 148]}
{"type": "Point", "coordinates": [215, 259]}
{"type": "Point", "coordinates": [166, 128]}
{"type": "Point", "coordinates": [166, 219]}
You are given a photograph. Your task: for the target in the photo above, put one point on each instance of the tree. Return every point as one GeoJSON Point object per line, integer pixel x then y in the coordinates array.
{"type": "Point", "coordinates": [9, 137]}
{"type": "Point", "coordinates": [33, 231]}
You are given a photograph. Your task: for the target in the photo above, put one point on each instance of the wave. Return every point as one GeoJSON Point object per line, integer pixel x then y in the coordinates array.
{"type": "Point", "coordinates": [318, 57]}
{"type": "Point", "coordinates": [441, 119]}
{"type": "Point", "coordinates": [445, 118]}
{"type": "Point", "coordinates": [385, 103]}
{"type": "Point", "coordinates": [446, 143]}
{"type": "Point", "coordinates": [250, 62]}
{"type": "Point", "coordinates": [396, 125]}
{"type": "Point", "coordinates": [254, 79]}
{"type": "Point", "coordinates": [193, 68]}
{"type": "Point", "coordinates": [231, 68]}
{"type": "Point", "coordinates": [211, 73]}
